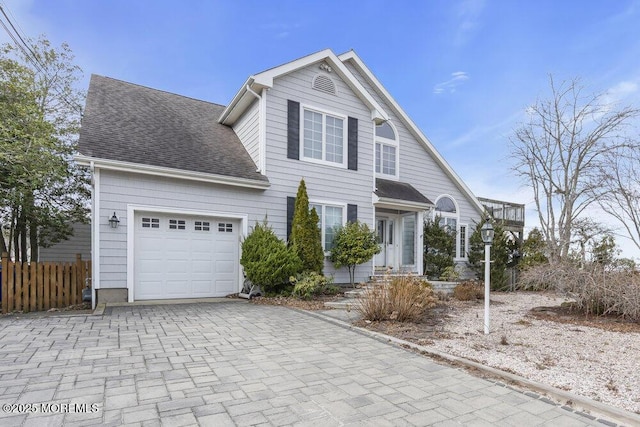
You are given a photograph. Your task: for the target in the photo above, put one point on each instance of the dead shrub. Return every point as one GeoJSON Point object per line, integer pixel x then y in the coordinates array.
{"type": "Point", "coordinates": [374, 303]}
{"type": "Point", "coordinates": [403, 299]}
{"type": "Point", "coordinates": [469, 290]}
{"type": "Point", "coordinates": [410, 297]}
{"type": "Point", "coordinates": [595, 289]}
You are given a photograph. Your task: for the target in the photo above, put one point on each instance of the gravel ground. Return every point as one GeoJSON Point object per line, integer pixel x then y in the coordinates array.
{"type": "Point", "coordinates": [601, 364]}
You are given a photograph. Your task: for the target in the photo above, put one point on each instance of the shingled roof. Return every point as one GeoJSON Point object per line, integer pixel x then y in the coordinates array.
{"type": "Point", "coordinates": [131, 123]}
{"type": "Point", "coordinates": [399, 191]}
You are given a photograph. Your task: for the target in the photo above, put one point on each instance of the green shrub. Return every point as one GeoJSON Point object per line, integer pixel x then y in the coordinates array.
{"type": "Point", "coordinates": [439, 248]}
{"type": "Point", "coordinates": [450, 274]}
{"type": "Point", "coordinates": [469, 291]}
{"type": "Point", "coordinates": [266, 259]}
{"type": "Point", "coordinates": [311, 284]}
{"type": "Point", "coordinates": [404, 299]}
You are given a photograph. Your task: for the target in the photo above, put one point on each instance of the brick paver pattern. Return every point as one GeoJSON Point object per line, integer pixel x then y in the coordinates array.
{"type": "Point", "coordinates": [236, 363]}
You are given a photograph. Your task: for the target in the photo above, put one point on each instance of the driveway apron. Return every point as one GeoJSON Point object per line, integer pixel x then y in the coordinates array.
{"type": "Point", "coordinates": [236, 363]}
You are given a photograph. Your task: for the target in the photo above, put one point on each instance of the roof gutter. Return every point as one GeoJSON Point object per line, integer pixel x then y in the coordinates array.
{"type": "Point", "coordinates": [117, 165]}
{"type": "Point", "coordinates": [236, 99]}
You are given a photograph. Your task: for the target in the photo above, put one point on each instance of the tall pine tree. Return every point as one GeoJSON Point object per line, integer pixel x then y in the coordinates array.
{"type": "Point", "coordinates": [305, 233]}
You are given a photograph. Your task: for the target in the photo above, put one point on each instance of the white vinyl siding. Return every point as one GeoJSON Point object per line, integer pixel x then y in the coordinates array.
{"type": "Point", "coordinates": [66, 250]}
{"type": "Point", "coordinates": [324, 183]}
{"type": "Point", "coordinates": [247, 129]}
{"type": "Point", "coordinates": [417, 166]}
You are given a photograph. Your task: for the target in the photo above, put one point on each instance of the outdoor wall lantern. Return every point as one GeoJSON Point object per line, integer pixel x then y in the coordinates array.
{"type": "Point", "coordinates": [487, 237]}
{"type": "Point", "coordinates": [114, 221]}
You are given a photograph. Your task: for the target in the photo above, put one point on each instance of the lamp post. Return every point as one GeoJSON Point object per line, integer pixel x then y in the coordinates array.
{"type": "Point", "coordinates": [487, 238]}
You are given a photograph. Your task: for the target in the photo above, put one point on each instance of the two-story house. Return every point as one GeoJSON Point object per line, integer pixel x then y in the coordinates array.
{"type": "Point", "coordinates": [178, 182]}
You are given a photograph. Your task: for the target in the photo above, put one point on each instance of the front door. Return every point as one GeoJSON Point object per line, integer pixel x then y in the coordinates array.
{"type": "Point", "coordinates": [385, 228]}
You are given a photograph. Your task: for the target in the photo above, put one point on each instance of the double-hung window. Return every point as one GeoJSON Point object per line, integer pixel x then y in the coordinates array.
{"type": "Point", "coordinates": [324, 137]}
{"type": "Point", "coordinates": [329, 217]}
{"type": "Point", "coordinates": [386, 151]}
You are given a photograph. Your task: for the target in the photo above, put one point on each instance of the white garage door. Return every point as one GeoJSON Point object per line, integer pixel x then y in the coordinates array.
{"type": "Point", "coordinates": [179, 256]}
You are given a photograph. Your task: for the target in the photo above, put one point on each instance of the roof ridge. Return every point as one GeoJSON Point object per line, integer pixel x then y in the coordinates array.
{"type": "Point", "coordinates": [157, 90]}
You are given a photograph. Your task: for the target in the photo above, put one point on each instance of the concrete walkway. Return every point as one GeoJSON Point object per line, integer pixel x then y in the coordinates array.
{"type": "Point", "coordinates": [235, 363]}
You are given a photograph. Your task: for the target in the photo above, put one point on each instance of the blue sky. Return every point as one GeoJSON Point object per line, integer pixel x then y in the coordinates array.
{"type": "Point", "coordinates": [464, 71]}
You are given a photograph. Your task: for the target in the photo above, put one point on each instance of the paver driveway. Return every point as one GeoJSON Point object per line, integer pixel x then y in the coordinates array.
{"type": "Point", "coordinates": [236, 363]}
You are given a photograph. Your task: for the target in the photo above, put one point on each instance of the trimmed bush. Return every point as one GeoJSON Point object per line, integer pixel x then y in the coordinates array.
{"type": "Point", "coordinates": [266, 259]}
{"type": "Point", "coordinates": [469, 291]}
{"type": "Point", "coordinates": [353, 244]}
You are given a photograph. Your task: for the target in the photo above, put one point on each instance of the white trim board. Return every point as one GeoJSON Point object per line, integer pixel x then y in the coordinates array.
{"type": "Point", "coordinates": [170, 172]}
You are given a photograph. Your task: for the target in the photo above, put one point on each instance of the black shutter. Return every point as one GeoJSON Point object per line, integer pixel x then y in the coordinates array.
{"type": "Point", "coordinates": [352, 144]}
{"type": "Point", "coordinates": [352, 213]}
{"type": "Point", "coordinates": [291, 205]}
{"type": "Point", "coordinates": [293, 130]}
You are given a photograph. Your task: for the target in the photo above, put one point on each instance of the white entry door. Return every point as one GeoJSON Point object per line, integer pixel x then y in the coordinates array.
{"type": "Point", "coordinates": [385, 228]}
{"type": "Point", "coordinates": [179, 256]}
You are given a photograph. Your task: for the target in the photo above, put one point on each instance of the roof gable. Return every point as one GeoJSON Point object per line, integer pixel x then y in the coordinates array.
{"type": "Point", "coordinates": [411, 126]}
{"type": "Point", "coordinates": [128, 123]}
{"type": "Point", "coordinates": [254, 85]}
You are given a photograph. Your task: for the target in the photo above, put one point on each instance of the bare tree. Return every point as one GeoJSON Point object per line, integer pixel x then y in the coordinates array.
{"type": "Point", "coordinates": [620, 190]}
{"type": "Point", "coordinates": [560, 152]}
{"type": "Point", "coordinates": [586, 232]}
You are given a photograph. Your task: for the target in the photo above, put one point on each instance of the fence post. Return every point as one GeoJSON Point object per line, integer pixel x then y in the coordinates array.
{"type": "Point", "coordinates": [33, 286]}
{"type": "Point", "coordinates": [5, 278]}
{"type": "Point", "coordinates": [77, 286]}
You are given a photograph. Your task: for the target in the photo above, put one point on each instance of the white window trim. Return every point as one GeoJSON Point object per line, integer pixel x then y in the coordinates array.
{"type": "Point", "coordinates": [455, 216]}
{"type": "Point", "coordinates": [345, 141]}
{"type": "Point", "coordinates": [462, 256]}
{"type": "Point", "coordinates": [390, 142]}
{"type": "Point", "coordinates": [324, 203]}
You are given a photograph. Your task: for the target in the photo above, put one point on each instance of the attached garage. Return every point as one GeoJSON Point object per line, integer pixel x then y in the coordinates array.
{"type": "Point", "coordinates": [183, 256]}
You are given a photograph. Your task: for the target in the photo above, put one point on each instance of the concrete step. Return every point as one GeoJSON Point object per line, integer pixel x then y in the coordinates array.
{"type": "Point", "coordinates": [354, 293]}
{"type": "Point", "coordinates": [350, 299]}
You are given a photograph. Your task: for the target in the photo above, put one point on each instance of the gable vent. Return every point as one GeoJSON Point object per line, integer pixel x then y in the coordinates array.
{"type": "Point", "coordinates": [324, 84]}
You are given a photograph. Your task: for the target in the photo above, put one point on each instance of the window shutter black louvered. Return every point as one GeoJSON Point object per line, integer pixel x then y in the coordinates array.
{"type": "Point", "coordinates": [293, 130]}
{"type": "Point", "coordinates": [291, 205]}
{"type": "Point", "coordinates": [352, 213]}
{"type": "Point", "coordinates": [352, 144]}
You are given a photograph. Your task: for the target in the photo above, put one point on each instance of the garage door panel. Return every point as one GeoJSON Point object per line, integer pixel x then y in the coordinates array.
{"type": "Point", "coordinates": [202, 287]}
{"type": "Point", "coordinates": [197, 261]}
{"type": "Point", "coordinates": [223, 267]}
{"type": "Point", "coordinates": [225, 286]}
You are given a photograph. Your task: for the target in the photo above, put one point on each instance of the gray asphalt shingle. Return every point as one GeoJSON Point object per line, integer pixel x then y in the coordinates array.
{"type": "Point", "coordinates": [399, 191]}
{"type": "Point", "coordinates": [131, 123]}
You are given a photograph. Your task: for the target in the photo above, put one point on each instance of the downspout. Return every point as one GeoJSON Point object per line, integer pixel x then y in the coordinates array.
{"type": "Point", "coordinates": [94, 235]}
{"type": "Point", "coordinates": [373, 184]}
{"type": "Point", "coordinates": [261, 129]}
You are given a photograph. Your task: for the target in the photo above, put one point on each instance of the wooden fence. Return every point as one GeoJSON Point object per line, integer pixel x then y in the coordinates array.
{"type": "Point", "coordinates": [39, 286]}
